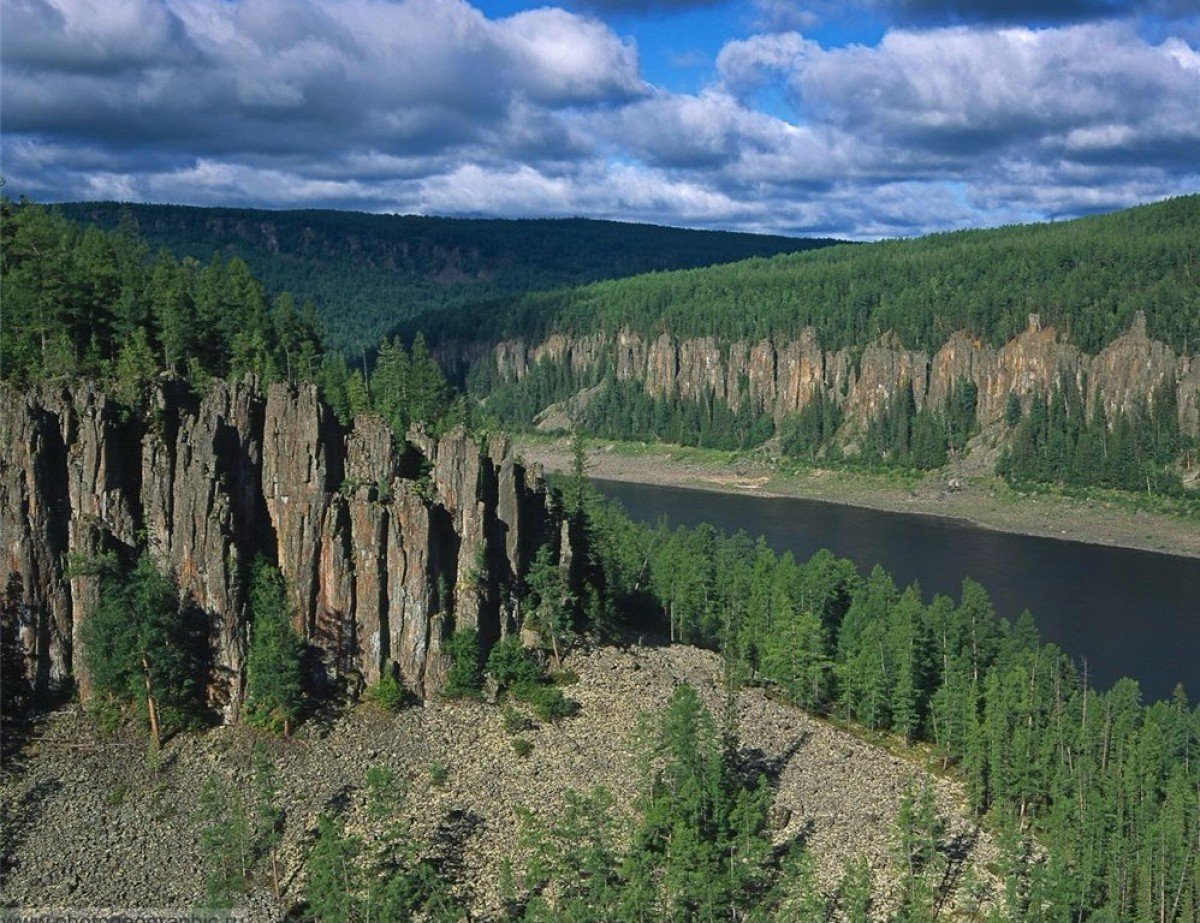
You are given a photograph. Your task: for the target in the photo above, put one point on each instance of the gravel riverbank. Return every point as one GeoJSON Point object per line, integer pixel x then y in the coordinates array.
{"type": "Point", "coordinates": [983, 501]}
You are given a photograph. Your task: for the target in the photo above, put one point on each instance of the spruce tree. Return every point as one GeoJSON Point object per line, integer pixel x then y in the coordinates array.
{"type": "Point", "coordinates": [274, 662]}
{"type": "Point", "coordinates": [139, 646]}
{"type": "Point", "coordinates": [549, 603]}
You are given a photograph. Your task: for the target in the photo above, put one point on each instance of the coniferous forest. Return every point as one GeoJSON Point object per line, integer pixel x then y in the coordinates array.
{"type": "Point", "coordinates": [366, 274]}
{"type": "Point", "coordinates": [1087, 277]}
{"type": "Point", "coordinates": [1091, 279]}
{"type": "Point", "coordinates": [1093, 795]}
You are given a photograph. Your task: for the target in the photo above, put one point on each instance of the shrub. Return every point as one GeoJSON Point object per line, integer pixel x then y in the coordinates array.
{"type": "Point", "coordinates": [385, 790]}
{"type": "Point", "coordinates": [466, 675]}
{"type": "Point", "coordinates": [547, 702]}
{"type": "Point", "coordinates": [107, 713]}
{"type": "Point", "coordinates": [511, 665]}
{"type": "Point", "coordinates": [514, 721]}
{"type": "Point", "coordinates": [386, 693]}
{"type": "Point", "coordinates": [522, 747]}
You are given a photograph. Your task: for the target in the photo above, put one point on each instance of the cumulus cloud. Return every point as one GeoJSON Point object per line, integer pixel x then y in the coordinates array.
{"type": "Point", "coordinates": [431, 106]}
{"type": "Point", "coordinates": [642, 6]}
{"type": "Point", "coordinates": [958, 94]}
{"type": "Point", "coordinates": [268, 74]}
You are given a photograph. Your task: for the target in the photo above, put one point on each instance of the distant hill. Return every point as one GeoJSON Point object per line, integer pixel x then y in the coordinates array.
{"type": "Point", "coordinates": [369, 273]}
{"type": "Point", "coordinates": [1088, 277]}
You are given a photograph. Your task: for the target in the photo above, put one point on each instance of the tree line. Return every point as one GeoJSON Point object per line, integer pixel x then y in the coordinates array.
{"type": "Point", "coordinates": [605, 407]}
{"type": "Point", "coordinates": [1088, 277]}
{"type": "Point", "coordinates": [365, 274]}
{"type": "Point", "coordinates": [1055, 441]}
{"type": "Point", "coordinates": [1108, 785]}
{"type": "Point", "coordinates": [87, 302]}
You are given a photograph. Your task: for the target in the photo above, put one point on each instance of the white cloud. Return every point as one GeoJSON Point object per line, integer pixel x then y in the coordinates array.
{"type": "Point", "coordinates": [566, 59]}
{"type": "Point", "coordinates": [429, 105]}
{"type": "Point", "coordinates": [969, 89]}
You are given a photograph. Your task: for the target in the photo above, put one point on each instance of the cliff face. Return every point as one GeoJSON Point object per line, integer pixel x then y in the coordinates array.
{"type": "Point", "coordinates": [782, 377]}
{"type": "Point", "coordinates": [385, 548]}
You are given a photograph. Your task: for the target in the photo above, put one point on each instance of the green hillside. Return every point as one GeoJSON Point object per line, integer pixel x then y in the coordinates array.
{"type": "Point", "coordinates": [368, 273]}
{"type": "Point", "coordinates": [1088, 276]}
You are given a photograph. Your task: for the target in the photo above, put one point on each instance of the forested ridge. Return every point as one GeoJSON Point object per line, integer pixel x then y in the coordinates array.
{"type": "Point", "coordinates": [366, 274]}
{"type": "Point", "coordinates": [82, 302]}
{"type": "Point", "coordinates": [1063, 349]}
{"type": "Point", "coordinates": [1087, 277]}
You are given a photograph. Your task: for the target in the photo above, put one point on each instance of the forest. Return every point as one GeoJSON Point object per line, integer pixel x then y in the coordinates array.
{"type": "Point", "coordinates": [1092, 794]}
{"type": "Point", "coordinates": [367, 274]}
{"type": "Point", "coordinates": [84, 302]}
{"type": "Point", "coordinates": [1090, 278]}
{"type": "Point", "coordinates": [1087, 277]}
{"type": "Point", "coordinates": [82, 293]}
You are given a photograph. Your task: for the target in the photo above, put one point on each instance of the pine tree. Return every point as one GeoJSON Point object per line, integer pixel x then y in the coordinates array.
{"type": "Point", "coordinates": [138, 646]}
{"type": "Point", "coordinates": [550, 604]}
{"type": "Point", "coordinates": [465, 676]}
{"type": "Point", "coordinates": [391, 386]}
{"type": "Point", "coordinates": [1012, 409]}
{"type": "Point", "coordinates": [274, 662]}
{"type": "Point", "coordinates": [855, 891]}
{"type": "Point", "coordinates": [334, 877]}
{"type": "Point", "coordinates": [224, 841]}
{"type": "Point", "coordinates": [15, 689]}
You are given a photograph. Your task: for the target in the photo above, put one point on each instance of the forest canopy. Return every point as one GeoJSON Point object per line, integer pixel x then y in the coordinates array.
{"type": "Point", "coordinates": [1087, 277]}
{"type": "Point", "coordinates": [365, 274]}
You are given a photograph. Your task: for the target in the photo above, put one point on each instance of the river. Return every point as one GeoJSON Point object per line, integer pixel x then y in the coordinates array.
{"type": "Point", "coordinates": [1125, 612]}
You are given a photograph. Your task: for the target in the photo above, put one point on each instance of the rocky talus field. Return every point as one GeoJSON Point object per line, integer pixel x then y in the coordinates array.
{"type": "Point", "coordinates": [89, 821]}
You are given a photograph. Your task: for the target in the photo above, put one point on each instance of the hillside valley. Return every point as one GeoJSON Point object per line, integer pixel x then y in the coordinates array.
{"type": "Point", "coordinates": [368, 274]}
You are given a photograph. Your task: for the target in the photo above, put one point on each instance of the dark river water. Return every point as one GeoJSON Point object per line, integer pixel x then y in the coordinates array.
{"type": "Point", "coordinates": [1128, 613]}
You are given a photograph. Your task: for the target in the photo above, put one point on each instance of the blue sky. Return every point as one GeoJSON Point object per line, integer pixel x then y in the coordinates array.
{"type": "Point", "coordinates": [860, 118]}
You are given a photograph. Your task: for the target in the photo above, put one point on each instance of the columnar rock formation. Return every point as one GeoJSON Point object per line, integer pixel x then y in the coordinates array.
{"type": "Point", "coordinates": [780, 377]}
{"type": "Point", "coordinates": [385, 547]}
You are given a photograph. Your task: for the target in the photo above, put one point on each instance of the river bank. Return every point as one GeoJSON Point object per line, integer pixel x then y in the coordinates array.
{"type": "Point", "coordinates": [986, 502]}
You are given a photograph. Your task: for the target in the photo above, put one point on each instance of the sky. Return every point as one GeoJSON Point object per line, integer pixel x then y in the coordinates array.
{"type": "Point", "coordinates": [854, 118]}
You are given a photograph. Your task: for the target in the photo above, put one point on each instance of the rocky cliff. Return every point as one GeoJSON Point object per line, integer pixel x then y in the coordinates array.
{"type": "Point", "coordinates": [385, 547]}
{"type": "Point", "coordinates": [780, 378]}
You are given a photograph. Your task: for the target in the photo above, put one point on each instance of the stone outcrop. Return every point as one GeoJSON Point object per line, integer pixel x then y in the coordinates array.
{"type": "Point", "coordinates": [386, 545]}
{"type": "Point", "coordinates": [781, 377]}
